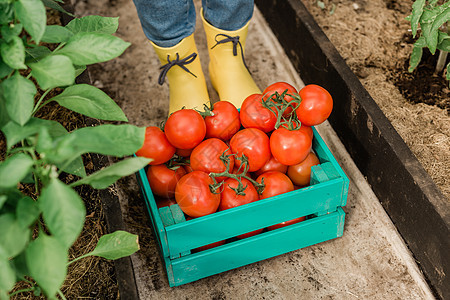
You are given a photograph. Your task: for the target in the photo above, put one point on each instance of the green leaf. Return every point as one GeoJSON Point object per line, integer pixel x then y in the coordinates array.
{"type": "Point", "coordinates": [14, 169]}
{"type": "Point", "coordinates": [53, 71]}
{"type": "Point", "coordinates": [107, 176]}
{"type": "Point", "coordinates": [430, 22]}
{"type": "Point", "coordinates": [4, 117]}
{"type": "Point", "coordinates": [19, 95]}
{"type": "Point", "coordinates": [117, 140]}
{"type": "Point", "coordinates": [443, 41]}
{"type": "Point", "coordinates": [116, 245]}
{"type": "Point", "coordinates": [79, 70]}
{"type": "Point", "coordinates": [87, 48]}
{"type": "Point", "coordinates": [13, 53]}
{"type": "Point", "coordinates": [47, 261]}
{"type": "Point", "coordinates": [7, 275]}
{"type": "Point", "coordinates": [36, 53]}
{"type": "Point", "coordinates": [75, 167]}
{"type": "Point", "coordinates": [90, 101]}
{"type": "Point", "coordinates": [5, 70]}
{"type": "Point", "coordinates": [28, 179]}
{"type": "Point", "coordinates": [27, 211]}
{"type": "Point", "coordinates": [11, 30]}
{"type": "Point", "coordinates": [14, 236]}
{"type": "Point", "coordinates": [96, 24]}
{"type": "Point", "coordinates": [63, 211]}
{"type": "Point", "coordinates": [448, 72]}
{"type": "Point", "coordinates": [442, 16]}
{"type": "Point", "coordinates": [19, 264]}
{"type": "Point", "coordinates": [45, 141]}
{"type": "Point", "coordinates": [6, 13]}
{"type": "Point", "coordinates": [3, 199]}
{"type": "Point", "coordinates": [417, 11]}
{"type": "Point", "coordinates": [56, 6]}
{"type": "Point", "coordinates": [416, 57]}
{"type": "Point", "coordinates": [31, 13]}
{"type": "Point", "coordinates": [56, 34]}
{"type": "Point", "coordinates": [15, 133]}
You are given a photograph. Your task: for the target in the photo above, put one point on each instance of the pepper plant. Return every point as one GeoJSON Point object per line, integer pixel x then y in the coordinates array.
{"type": "Point", "coordinates": [38, 65]}
{"type": "Point", "coordinates": [433, 18]}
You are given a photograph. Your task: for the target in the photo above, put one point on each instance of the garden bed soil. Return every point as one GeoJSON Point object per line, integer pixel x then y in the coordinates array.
{"type": "Point", "coordinates": [374, 39]}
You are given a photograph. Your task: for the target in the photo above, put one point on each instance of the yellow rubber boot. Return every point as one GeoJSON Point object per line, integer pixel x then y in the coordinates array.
{"type": "Point", "coordinates": [227, 70]}
{"type": "Point", "coordinates": [181, 65]}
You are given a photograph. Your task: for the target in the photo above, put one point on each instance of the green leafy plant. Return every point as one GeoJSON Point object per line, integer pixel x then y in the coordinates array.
{"type": "Point", "coordinates": [38, 228]}
{"type": "Point", "coordinates": [433, 19]}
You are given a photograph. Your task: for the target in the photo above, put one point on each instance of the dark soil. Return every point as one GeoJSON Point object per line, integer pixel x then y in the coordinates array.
{"type": "Point", "coordinates": [423, 85]}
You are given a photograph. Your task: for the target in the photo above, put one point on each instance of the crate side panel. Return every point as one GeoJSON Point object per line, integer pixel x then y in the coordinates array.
{"type": "Point", "coordinates": [158, 227]}
{"type": "Point", "coordinates": [257, 248]}
{"type": "Point", "coordinates": [232, 222]}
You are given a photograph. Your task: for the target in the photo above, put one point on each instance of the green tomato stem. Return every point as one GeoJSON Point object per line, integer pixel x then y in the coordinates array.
{"type": "Point", "coordinates": [240, 189]}
{"type": "Point", "coordinates": [36, 107]}
{"type": "Point", "coordinates": [22, 291]}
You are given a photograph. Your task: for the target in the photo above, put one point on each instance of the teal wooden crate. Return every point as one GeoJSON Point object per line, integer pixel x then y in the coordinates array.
{"type": "Point", "coordinates": [321, 202]}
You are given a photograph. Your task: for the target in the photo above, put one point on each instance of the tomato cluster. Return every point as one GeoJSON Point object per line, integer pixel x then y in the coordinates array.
{"type": "Point", "coordinates": [221, 158]}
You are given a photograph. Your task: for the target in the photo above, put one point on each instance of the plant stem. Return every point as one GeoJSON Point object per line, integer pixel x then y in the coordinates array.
{"type": "Point", "coordinates": [22, 291]}
{"type": "Point", "coordinates": [59, 47]}
{"type": "Point", "coordinates": [441, 61]}
{"type": "Point", "coordinates": [36, 108]}
{"type": "Point", "coordinates": [61, 295]}
{"type": "Point", "coordinates": [19, 149]}
{"type": "Point", "coordinates": [79, 257]}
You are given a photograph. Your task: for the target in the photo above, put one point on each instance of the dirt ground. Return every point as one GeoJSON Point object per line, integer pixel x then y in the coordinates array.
{"type": "Point", "coordinates": [373, 38]}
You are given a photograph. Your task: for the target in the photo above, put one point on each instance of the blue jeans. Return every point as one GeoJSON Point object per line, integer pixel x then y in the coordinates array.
{"type": "Point", "coordinates": [167, 22]}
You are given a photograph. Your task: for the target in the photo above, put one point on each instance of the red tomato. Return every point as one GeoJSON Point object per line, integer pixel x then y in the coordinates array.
{"type": "Point", "coordinates": [316, 105]}
{"type": "Point", "coordinates": [156, 146]}
{"type": "Point", "coordinates": [250, 234]}
{"type": "Point", "coordinates": [276, 183]}
{"type": "Point", "coordinates": [272, 165]}
{"type": "Point", "coordinates": [300, 174]}
{"type": "Point", "coordinates": [286, 223]}
{"type": "Point", "coordinates": [209, 246]}
{"type": "Point", "coordinates": [194, 196]}
{"type": "Point", "coordinates": [188, 168]}
{"type": "Point", "coordinates": [206, 157]}
{"type": "Point", "coordinates": [280, 87]}
{"type": "Point", "coordinates": [184, 152]}
{"type": "Point", "coordinates": [308, 130]}
{"type": "Point", "coordinates": [164, 180]}
{"type": "Point", "coordinates": [185, 128]}
{"type": "Point", "coordinates": [254, 115]}
{"type": "Point", "coordinates": [229, 198]}
{"type": "Point", "coordinates": [290, 147]}
{"type": "Point", "coordinates": [254, 144]}
{"type": "Point", "coordinates": [161, 202]}
{"type": "Point", "coordinates": [225, 122]}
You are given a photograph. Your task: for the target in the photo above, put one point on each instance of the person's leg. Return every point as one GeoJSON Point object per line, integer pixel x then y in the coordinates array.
{"type": "Point", "coordinates": [166, 22]}
{"type": "Point", "coordinates": [226, 27]}
{"type": "Point", "coordinates": [169, 25]}
{"type": "Point", "coordinates": [228, 15]}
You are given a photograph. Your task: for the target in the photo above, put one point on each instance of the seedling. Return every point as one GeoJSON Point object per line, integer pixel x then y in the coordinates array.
{"type": "Point", "coordinates": [433, 33]}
